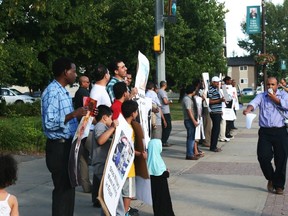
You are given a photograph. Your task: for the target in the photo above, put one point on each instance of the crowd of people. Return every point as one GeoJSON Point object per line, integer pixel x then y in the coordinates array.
{"type": "Point", "coordinates": [114, 95]}
{"type": "Point", "coordinates": [203, 107]}
{"type": "Point", "coordinates": [209, 111]}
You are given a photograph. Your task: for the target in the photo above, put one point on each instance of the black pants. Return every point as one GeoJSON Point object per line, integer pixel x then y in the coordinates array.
{"type": "Point", "coordinates": [272, 143]}
{"type": "Point", "coordinates": [95, 189]}
{"type": "Point", "coordinates": [216, 120]}
{"type": "Point", "coordinates": [166, 131]}
{"type": "Point", "coordinates": [63, 195]}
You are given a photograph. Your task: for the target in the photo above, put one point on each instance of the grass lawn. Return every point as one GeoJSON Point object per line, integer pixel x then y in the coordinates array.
{"type": "Point", "coordinates": [176, 111]}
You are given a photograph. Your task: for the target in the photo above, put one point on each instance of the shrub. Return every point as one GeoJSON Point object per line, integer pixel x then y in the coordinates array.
{"type": "Point", "coordinates": [27, 109]}
{"type": "Point", "coordinates": [21, 134]}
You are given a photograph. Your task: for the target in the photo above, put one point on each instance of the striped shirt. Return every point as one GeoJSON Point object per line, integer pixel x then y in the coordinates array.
{"type": "Point", "coordinates": [56, 103]}
{"type": "Point", "coordinates": [109, 88]}
{"type": "Point", "coordinates": [214, 94]}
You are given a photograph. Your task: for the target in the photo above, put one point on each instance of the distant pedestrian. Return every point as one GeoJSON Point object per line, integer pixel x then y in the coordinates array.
{"type": "Point", "coordinates": [190, 113]}
{"type": "Point", "coordinates": [283, 84]}
{"type": "Point", "coordinates": [215, 104]}
{"type": "Point", "coordinates": [162, 204]}
{"type": "Point", "coordinates": [156, 111]}
{"type": "Point", "coordinates": [128, 80]}
{"type": "Point", "coordinates": [59, 121]}
{"type": "Point", "coordinates": [101, 75]}
{"type": "Point", "coordinates": [273, 136]}
{"type": "Point", "coordinates": [8, 176]}
{"type": "Point", "coordinates": [82, 92]}
{"type": "Point", "coordinates": [165, 106]}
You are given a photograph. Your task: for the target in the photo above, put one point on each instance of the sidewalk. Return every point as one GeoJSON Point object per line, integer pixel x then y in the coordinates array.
{"type": "Point", "coordinates": [219, 184]}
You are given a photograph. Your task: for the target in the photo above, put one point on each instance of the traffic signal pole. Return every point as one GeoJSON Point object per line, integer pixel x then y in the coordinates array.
{"type": "Point", "coordinates": [264, 68]}
{"type": "Point", "coordinates": [159, 30]}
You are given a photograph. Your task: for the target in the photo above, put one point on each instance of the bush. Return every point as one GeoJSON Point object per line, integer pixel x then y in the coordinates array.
{"type": "Point", "coordinates": [27, 109]}
{"type": "Point", "coordinates": [22, 134]}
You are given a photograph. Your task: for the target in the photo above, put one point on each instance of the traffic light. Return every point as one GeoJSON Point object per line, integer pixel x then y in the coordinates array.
{"type": "Point", "coordinates": [172, 7]}
{"type": "Point", "coordinates": [158, 43]}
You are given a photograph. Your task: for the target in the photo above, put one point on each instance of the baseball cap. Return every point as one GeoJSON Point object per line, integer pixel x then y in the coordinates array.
{"type": "Point", "coordinates": [215, 79]}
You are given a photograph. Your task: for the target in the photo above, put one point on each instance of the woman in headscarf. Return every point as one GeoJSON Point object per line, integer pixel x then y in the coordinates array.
{"type": "Point", "coordinates": [162, 205]}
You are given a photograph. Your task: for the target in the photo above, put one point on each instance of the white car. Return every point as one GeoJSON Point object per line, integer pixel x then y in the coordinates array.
{"type": "Point", "coordinates": [12, 96]}
{"type": "Point", "coordinates": [247, 91]}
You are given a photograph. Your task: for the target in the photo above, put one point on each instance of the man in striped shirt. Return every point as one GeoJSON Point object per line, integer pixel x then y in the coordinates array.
{"type": "Point", "coordinates": [215, 104]}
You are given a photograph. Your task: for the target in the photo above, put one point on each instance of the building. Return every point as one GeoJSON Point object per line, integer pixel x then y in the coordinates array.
{"type": "Point", "coordinates": [243, 70]}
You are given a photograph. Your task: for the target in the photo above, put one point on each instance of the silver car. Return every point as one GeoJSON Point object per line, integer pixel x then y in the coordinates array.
{"type": "Point", "coordinates": [12, 96]}
{"type": "Point", "coordinates": [247, 91]}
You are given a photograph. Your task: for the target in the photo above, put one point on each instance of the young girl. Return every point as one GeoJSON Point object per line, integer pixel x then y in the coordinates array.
{"type": "Point", "coordinates": [161, 199]}
{"type": "Point", "coordinates": [8, 176]}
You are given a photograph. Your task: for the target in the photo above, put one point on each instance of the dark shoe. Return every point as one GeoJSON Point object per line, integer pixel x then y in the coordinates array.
{"type": "Point", "coordinates": [230, 136]}
{"type": "Point", "coordinates": [194, 157]}
{"type": "Point", "coordinates": [97, 204]}
{"type": "Point", "coordinates": [216, 150]}
{"type": "Point", "coordinates": [166, 145]}
{"type": "Point", "coordinates": [270, 187]}
{"type": "Point", "coordinates": [133, 211]}
{"type": "Point", "coordinates": [234, 128]}
{"type": "Point", "coordinates": [279, 191]}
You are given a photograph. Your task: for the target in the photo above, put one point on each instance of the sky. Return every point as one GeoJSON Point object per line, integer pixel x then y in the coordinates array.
{"type": "Point", "coordinates": [233, 19]}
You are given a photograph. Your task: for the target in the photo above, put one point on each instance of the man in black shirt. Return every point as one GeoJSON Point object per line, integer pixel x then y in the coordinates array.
{"type": "Point", "coordinates": [84, 157]}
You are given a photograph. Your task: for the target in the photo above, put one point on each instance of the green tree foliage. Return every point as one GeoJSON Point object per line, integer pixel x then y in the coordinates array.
{"type": "Point", "coordinates": [276, 37]}
{"type": "Point", "coordinates": [35, 32]}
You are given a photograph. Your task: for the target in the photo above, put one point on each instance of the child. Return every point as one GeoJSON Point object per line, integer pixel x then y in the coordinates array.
{"type": "Point", "coordinates": [121, 94]}
{"type": "Point", "coordinates": [161, 199]}
{"type": "Point", "coordinates": [8, 176]}
{"type": "Point", "coordinates": [130, 112]}
{"type": "Point", "coordinates": [102, 137]}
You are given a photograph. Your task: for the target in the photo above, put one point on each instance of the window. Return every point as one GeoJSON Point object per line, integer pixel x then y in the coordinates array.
{"type": "Point", "coordinates": [244, 81]}
{"type": "Point", "coordinates": [243, 68]}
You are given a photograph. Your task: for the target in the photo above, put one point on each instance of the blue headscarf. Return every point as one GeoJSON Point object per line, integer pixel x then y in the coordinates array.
{"type": "Point", "coordinates": [156, 165]}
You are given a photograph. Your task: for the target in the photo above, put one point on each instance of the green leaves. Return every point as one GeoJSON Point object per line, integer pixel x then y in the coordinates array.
{"type": "Point", "coordinates": [36, 32]}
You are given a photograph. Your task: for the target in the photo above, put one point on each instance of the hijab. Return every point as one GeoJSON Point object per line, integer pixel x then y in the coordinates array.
{"type": "Point", "coordinates": [156, 165]}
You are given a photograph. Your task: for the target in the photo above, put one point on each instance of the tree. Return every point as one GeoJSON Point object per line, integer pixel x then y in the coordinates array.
{"type": "Point", "coordinates": [35, 32]}
{"type": "Point", "coordinates": [276, 37]}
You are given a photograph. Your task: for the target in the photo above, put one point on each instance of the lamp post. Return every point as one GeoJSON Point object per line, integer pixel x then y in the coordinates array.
{"type": "Point", "coordinates": [264, 42]}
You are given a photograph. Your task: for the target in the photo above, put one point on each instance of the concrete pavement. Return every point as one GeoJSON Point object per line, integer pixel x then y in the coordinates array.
{"type": "Point", "coordinates": [226, 183]}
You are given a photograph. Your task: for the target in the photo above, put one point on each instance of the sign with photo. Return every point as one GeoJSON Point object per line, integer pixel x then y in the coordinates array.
{"type": "Point", "coordinates": [80, 136]}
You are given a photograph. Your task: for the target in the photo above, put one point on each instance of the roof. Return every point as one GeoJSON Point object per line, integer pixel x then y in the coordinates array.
{"type": "Point", "coordinates": [239, 61]}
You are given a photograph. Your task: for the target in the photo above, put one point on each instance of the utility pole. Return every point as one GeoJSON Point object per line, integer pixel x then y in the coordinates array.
{"type": "Point", "coordinates": [264, 42]}
{"type": "Point", "coordinates": [159, 29]}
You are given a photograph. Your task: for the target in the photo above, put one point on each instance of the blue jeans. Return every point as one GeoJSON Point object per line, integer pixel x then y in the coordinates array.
{"type": "Point", "coordinates": [190, 127]}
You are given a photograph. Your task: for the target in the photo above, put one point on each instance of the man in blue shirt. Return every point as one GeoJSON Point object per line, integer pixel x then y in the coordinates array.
{"type": "Point", "coordinates": [273, 137]}
{"type": "Point", "coordinates": [59, 121]}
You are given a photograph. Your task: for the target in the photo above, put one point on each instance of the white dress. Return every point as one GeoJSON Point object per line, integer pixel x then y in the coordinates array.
{"type": "Point", "coordinates": [5, 209]}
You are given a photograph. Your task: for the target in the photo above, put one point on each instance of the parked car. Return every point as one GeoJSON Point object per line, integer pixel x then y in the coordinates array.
{"type": "Point", "coordinates": [12, 95]}
{"type": "Point", "coordinates": [259, 90]}
{"type": "Point", "coordinates": [247, 91]}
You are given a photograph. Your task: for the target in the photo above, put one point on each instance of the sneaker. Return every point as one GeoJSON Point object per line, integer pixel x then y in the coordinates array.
{"type": "Point", "coordinates": [224, 140]}
{"type": "Point", "coordinates": [132, 210]}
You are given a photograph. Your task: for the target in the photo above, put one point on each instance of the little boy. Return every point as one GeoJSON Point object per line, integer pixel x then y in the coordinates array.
{"type": "Point", "coordinates": [121, 94]}
{"type": "Point", "coordinates": [130, 112]}
{"type": "Point", "coordinates": [102, 138]}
